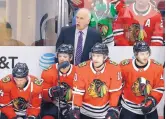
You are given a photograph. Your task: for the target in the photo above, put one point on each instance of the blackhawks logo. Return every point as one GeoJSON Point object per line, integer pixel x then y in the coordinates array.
{"type": "Point", "coordinates": [67, 91]}
{"type": "Point", "coordinates": [20, 104]}
{"type": "Point", "coordinates": [141, 87]}
{"type": "Point", "coordinates": [103, 29]}
{"type": "Point", "coordinates": [97, 88]}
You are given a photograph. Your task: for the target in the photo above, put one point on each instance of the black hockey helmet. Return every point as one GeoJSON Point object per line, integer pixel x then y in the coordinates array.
{"type": "Point", "coordinates": [20, 70]}
{"type": "Point", "coordinates": [100, 48]}
{"type": "Point", "coordinates": [141, 46]}
{"type": "Point", "coordinates": [66, 48]}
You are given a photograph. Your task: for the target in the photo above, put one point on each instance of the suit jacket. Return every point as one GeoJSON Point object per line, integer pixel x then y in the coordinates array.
{"type": "Point", "coordinates": [67, 36]}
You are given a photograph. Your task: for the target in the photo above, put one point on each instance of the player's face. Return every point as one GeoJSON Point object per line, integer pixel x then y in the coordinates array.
{"type": "Point", "coordinates": [97, 59]}
{"type": "Point", "coordinates": [142, 2]}
{"type": "Point", "coordinates": [63, 57]}
{"type": "Point", "coordinates": [82, 20]}
{"type": "Point", "coordinates": [20, 82]}
{"type": "Point", "coordinates": [143, 57]}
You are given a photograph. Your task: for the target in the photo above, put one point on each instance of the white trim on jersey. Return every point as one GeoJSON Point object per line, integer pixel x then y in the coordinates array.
{"type": "Point", "coordinates": [97, 107]}
{"type": "Point", "coordinates": [75, 92]}
{"type": "Point", "coordinates": [133, 6]}
{"type": "Point", "coordinates": [68, 73]}
{"type": "Point", "coordinates": [117, 34]}
{"type": "Point", "coordinates": [97, 112]}
{"type": "Point", "coordinates": [153, 40]}
{"type": "Point", "coordinates": [114, 90]}
{"type": "Point", "coordinates": [135, 108]}
{"type": "Point", "coordinates": [133, 63]}
{"type": "Point", "coordinates": [117, 4]}
{"type": "Point", "coordinates": [78, 90]}
{"type": "Point", "coordinates": [157, 37]}
{"type": "Point", "coordinates": [136, 111]}
{"type": "Point", "coordinates": [91, 66]}
{"type": "Point", "coordinates": [159, 89]}
{"type": "Point", "coordinates": [118, 30]}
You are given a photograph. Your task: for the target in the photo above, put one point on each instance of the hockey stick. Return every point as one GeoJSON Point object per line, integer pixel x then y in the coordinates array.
{"type": "Point", "coordinates": [146, 96]}
{"type": "Point", "coordinates": [71, 11]}
{"type": "Point", "coordinates": [41, 23]}
{"type": "Point", "coordinates": [60, 66]}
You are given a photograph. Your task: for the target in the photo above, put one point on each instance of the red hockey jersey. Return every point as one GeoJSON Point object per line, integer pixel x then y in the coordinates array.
{"type": "Point", "coordinates": [118, 4]}
{"type": "Point", "coordinates": [151, 26]}
{"type": "Point", "coordinates": [31, 95]}
{"type": "Point", "coordinates": [153, 72]}
{"type": "Point", "coordinates": [50, 78]}
{"type": "Point", "coordinates": [95, 91]}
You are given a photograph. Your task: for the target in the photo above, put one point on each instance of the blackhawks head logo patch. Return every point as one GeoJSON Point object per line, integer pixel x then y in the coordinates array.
{"type": "Point", "coordinates": [6, 79]}
{"type": "Point", "coordinates": [20, 104]}
{"type": "Point", "coordinates": [103, 30]}
{"type": "Point", "coordinates": [114, 63]}
{"type": "Point", "coordinates": [125, 62]}
{"type": "Point", "coordinates": [97, 88]}
{"type": "Point", "coordinates": [82, 64]}
{"type": "Point", "coordinates": [48, 68]}
{"type": "Point", "coordinates": [156, 62]}
{"type": "Point", "coordinates": [38, 82]}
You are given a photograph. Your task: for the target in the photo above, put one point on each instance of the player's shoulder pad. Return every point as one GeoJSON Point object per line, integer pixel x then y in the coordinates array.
{"type": "Point", "coordinates": [6, 79]}
{"type": "Point", "coordinates": [82, 64]}
{"type": "Point", "coordinates": [114, 63]}
{"type": "Point", "coordinates": [125, 62]}
{"type": "Point", "coordinates": [48, 68]}
{"type": "Point", "coordinates": [38, 82]}
{"type": "Point", "coordinates": [156, 62]}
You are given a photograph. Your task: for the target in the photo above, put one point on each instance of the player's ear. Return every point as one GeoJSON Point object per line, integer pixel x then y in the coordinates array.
{"type": "Point", "coordinates": [149, 52]}
{"type": "Point", "coordinates": [135, 54]}
{"type": "Point", "coordinates": [105, 57]}
{"type": "Point", "coordinates": [71, 57]}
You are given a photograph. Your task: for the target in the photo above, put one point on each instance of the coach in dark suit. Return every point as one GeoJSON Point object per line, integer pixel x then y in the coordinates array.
{"type": "Point", "coordinates": [80, 36]}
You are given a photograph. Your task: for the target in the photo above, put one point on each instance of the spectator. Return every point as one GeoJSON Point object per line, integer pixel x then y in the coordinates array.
{"type": "Point", "coordinates": [139, 21]}
{"type": "Point", "coordinates": [103, 14]}
{"type": "Point", "coordinates": [75, 5]}
{"type": "Point", "coordinates": [6, 34]}
{"type": "Point", "coordinates": [80, 36]}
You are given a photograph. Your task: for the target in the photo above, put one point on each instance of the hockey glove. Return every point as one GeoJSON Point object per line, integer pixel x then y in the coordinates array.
{"type": "Point", "coordinates": [74, 114]}
{"type": "Point", "coordinates": [113, 113]}
{"type": "Point", "coordinates": [65, 110]}
{"type": "Point", "coordinates": [148, 104]}
{"type": "Point", "coordinates": [56, 91]}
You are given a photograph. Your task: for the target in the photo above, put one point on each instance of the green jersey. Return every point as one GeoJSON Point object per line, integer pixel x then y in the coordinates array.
{"type": "Point", "coordinates": [102, 18]}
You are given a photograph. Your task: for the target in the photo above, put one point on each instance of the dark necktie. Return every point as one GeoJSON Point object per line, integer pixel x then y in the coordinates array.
{"type": "Point", "coordinates": [79, 49]}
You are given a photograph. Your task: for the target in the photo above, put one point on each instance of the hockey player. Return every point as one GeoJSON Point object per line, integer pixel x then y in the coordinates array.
{"type": "Point", "coordinates": [144, 84]}
{"type": "Point", "coordinates": [139, 21]}
{"type": "Point", "coordinates": [51, 89]}
{"type": "Point", "coordinates": [97, 87]}
{"type": "Point", "coordinates": [20, 94]}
